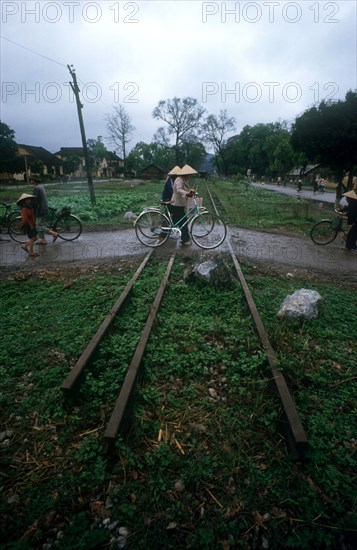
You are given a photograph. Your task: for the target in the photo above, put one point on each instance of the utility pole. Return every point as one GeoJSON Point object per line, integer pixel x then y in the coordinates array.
{"type": "Point", "coordinates": [76, 91]}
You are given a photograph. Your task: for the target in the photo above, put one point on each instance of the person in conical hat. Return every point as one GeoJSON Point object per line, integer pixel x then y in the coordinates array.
{"type": "Point", "coordinates": [28, 219]}
{"type": "Point", "coordinates": [169, 184]}
{"type": "Point", "coordinates": [174, 171]}
{"type": "Point", "coordinates": [24, 197]}
{"type": "Point", "coordinates": [182, 192]}
{"type": "Point", "coordinates": [187, 170]}
{"type": "Point", "coordinates": [351, 209]}
{"type": "Point", "coordinates": [42, 212]}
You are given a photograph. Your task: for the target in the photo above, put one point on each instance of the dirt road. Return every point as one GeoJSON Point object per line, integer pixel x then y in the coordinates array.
{"type": "Point", "coordinates": [272, 251]}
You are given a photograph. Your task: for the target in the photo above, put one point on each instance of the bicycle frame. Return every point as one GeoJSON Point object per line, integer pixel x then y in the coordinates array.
{"type": "Point", "coordinates": [8, 216]}
{"type": "Point", "coordinates": [189, 215]}
{"type": "Point", "coordinates": [155, 225]}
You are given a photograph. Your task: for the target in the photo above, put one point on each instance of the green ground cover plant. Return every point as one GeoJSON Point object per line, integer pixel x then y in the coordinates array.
{"type": "Point", "coordinates": [241, 205]}
{"type": "Point", "coordinates": [204, 464]}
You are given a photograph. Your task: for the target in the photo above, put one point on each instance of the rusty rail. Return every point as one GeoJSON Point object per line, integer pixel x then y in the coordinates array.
{"type": "Point", "coordinates": [126, 393]}
{"type": "Point", "coordinates": [295, 429]}
{"type": "Point", "coordinates": [77, 371]}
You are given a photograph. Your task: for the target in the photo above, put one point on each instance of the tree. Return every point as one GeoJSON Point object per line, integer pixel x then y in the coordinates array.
{"type": "Point", "coordinates": [144, 154]}
{"type": "Point", "coordinates": [71, 163]}
{"type": "Point", "coordinates": [10, 161]}
{"type": "Point", "coordinates": [192, 152]}
{"type": "Point", "coordinates": [120, 130]}
{"type": "Point", "coordinates": [264, 149]}
{"type": "Point", "coordinates": [327, 134]}
{"type": "Point", "coordinates": [96, 151]}
{"type": "Point", "coordinates": [215, 129]}
{"type": "Point", "coordinates": [182, 117]}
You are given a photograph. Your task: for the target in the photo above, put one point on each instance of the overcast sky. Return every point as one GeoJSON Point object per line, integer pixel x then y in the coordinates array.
{"type": "Point", "coordinates": [262, 61]}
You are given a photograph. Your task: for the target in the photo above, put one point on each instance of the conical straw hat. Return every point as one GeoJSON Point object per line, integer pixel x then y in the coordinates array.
{"type": "Point", "coordinates": [23, 197]}
{"type": "Point", "coordinates": [350, 194]}
{"type": "Point", "coordinates": [175, 171]}
{"type": "Point", "coordinates": [187, 170]}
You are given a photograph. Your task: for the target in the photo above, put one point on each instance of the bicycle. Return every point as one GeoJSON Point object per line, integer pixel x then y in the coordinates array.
{"type": "Point", "coordinates": [154, 226]}
{"type": "Point", "coordinates": [62, 221]}
{"type": "Point", "coordinates": [7, 217]}
{"type": "Point", "coordinates": [326, 231]}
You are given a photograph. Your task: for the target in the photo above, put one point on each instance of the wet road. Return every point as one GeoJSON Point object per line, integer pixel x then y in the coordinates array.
{"type": "Point", "coordinates": [289, 254]}
{"type": "Point", "coordinates": [327, 196]}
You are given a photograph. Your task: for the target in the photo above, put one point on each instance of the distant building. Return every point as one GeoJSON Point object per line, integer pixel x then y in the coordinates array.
{"type": "Point", "coordinates": [39, 161]}
{"type": "Point", "coordinates": [110, 166]}
{"type": "Point", "coordinates": [308, 172]}
{"type": "Point", "coordinates": [153, 172]}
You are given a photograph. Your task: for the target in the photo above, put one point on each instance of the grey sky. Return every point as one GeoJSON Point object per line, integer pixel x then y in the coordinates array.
{"type": "Point", "coordinates": [263, 61]}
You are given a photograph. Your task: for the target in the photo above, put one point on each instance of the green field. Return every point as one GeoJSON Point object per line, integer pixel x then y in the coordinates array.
{"type": "Point", "coordinates": [199, 468]}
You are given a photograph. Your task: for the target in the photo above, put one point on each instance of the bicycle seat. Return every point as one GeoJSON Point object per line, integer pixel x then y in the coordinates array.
{"type": "Point", "coordinates": [4, 204]}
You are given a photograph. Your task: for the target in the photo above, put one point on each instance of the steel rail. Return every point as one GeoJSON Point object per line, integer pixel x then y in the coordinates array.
{"type": "Point", "coordinates": [124, 399]}
{"type": "Point", "coordinates": [296, 437]}
{"type": "Point", "coordinates": [77, 371]}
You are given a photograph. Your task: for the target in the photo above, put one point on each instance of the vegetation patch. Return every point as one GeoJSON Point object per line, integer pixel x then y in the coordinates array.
{"type": "Point", "coordinates": [204, 464]}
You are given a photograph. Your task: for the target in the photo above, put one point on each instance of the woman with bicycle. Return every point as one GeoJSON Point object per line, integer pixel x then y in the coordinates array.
{"type": "Point", "coordinates": [181, 193]}
{"type": "Point", "coordinates": [351, 210]}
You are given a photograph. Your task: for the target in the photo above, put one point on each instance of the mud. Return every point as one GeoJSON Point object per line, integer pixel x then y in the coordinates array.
{"type": "Point", "coordinates": [273, 252]}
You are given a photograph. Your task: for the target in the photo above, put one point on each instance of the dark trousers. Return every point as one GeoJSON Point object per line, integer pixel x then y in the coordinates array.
{"type": "Point", "coordinates": [177, 212]}
{"type": "Point", "coordinates": [352, 237]}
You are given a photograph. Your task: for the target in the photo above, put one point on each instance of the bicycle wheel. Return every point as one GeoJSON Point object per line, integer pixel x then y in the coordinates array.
{"type": "Point", "coordinates": [15, 230]}
{"type": "Point", "coordinates": [69, 227]}
{"type": "Point", "coordinates": [152, 228]}
{"type": "Point", "coordinates": [208, 230]}
{"type": "Point", "coordinates": [323, 232]}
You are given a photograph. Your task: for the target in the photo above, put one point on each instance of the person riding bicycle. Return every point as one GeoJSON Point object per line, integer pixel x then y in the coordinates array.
{"type": "Point", "coordinates": [181, 193]}
{"type": "Point", "coordinates": [351, 210]}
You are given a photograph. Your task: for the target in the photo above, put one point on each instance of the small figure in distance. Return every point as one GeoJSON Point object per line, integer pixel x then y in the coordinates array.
{"type": "Point", "coordinates": [28, 218]}
{"type": "Point", "coordinates": [41, 211]}
{"type": "Point", "coordinates": [351, 210]}
{"type": "Point", "coordinates": [182, 192]}
{"type": "Point", "coordinates": [316, 185]}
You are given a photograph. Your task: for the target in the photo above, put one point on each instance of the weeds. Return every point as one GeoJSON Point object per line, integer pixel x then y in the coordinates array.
{"type": "Point", "coordinates": [204, 465]}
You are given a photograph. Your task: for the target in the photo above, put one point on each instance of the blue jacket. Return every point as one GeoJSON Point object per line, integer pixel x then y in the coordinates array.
{"type": "Point", "coordinates": [168, 190]}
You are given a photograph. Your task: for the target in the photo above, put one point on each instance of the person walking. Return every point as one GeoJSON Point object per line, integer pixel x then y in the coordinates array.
{"type": "Point", "coordinates": [28, 219]}
{"type": "Point", "coordinates": [41, 211]}
{"type": "Point", "coordinates": [351, 210]}
{"type": "Point", "coordinates": [181, 193]}
{"type": "Point", "coordinates": [316, 185]}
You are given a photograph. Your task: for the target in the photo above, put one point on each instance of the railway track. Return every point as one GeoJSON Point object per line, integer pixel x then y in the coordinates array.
{"type": "Point", "coordinates": [120, 415]}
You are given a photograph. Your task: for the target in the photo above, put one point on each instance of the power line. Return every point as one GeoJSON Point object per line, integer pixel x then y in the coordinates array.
{"type": "Point", "coordinates": [32, 51]}
{"type": "Point", "coordinates": [61, 65]}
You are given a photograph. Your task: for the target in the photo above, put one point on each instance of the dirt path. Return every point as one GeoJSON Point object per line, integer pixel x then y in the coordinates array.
{"type": "Point", "coordinates": [285, 254]}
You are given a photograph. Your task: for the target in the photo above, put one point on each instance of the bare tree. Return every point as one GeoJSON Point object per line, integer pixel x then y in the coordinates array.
{"type": "Point", "coordinates": [182, 117]}
{"type": "Point", "coordinates": [161, 136]}
{"type": "Point", "coordinates": [120, 129]}
{"type": "Point", "coordinates": [215, 129]}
